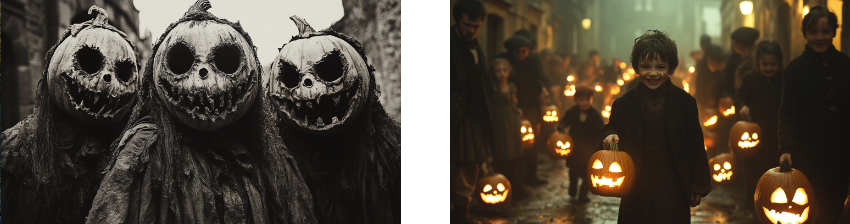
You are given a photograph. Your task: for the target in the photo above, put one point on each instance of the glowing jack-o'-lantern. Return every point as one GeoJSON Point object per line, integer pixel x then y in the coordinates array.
{"type": "Point", "coordinates": [494, 189]}
{"type": "Point", "coordinates": [721, 167]}
{"type": "Point", "coordinates": [783, 195]}
{"type": "Point", "coordinates": [611, 172]}
{"type": "Point", "coordinates": [726, 106]}
{"type": "Point", "coordinates": [570, 91]}
{"type": "Point", "coordinates": [571, 78]}
{"type": "Point", "coordinates": [559, 145]}
{"type": "Point", "coordinates": [527, 135]}
{"type": "Point", "coordinates": [709, 118]}
{"type": "Point", "coordinates": [551, 114]}
{"type": "Point", "coordinates": [744, 138]}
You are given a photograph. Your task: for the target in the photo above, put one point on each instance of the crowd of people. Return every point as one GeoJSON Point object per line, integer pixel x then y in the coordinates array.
{"type": "Point", "coordinates": [801, 107]}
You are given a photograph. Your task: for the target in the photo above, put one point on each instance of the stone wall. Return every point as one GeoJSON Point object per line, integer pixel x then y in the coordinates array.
{"type": "Point", "coordinates": [377, 25]}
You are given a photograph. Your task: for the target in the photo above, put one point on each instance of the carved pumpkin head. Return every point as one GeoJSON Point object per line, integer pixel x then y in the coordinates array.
{"type": "Point", "coordinates": [92, 72]}
{"type": "Point", "coordinates": [721, 167]}
{"type": "Point", "coordinates": [783, 195]}
{"type": "Point", "coordinates": [206, 71]}
{"type": "Point", "coordinates": [559, 145]}
{"type": "Point", "coordinates": [744, 138]}
{"type": "Point", "coordinates": [551, 114]}
{"type": "Point", "coordinates": [494, 189]}
{"type": "Point", "coordinates": [527, 135]}
{"type": "Point", "coordinates": [709, 118]}
{"type": "Point", "coordinates": [726, 106]}
{"type": "Point", "coordinates": [320, 81]}
{"type": "Point", "coordinates": [611, 172]}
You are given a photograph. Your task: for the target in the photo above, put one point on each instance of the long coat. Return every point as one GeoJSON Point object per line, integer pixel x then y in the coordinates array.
{"type": "Point", "coordinates": [684, 134]}
{"type": "Point", "coordinates": [471, 90]}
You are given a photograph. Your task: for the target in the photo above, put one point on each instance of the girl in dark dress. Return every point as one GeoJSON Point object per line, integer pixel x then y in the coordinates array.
{"type": "Point", "coordinates": [584, 123]}
{"type": "Point", "coordinates": [759, 97]}
{"type": "Point", "coordinates": [507, 147]}
{"type": "Point", "coordinates": [658, 126]}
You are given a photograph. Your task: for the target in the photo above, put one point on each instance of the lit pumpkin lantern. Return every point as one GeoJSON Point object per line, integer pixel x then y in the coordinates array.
{"type": "Point", "coordinates": [722, 167]}
{"type": "Point", "coordinates": [783, 195]}
{"type": "Point", "coordinates": [559, 145]}
{"type": "Point", "coordinates": [571, 78]}
{"type": "Point", "coordinates": [570, 90]}
{"type": "Point", "coordinates": [744, 138]}
{"type": "Point", "coordinates": [611, 172]}
{"type": "Point", "coordinates": [709, 118]}
{"type": "Point", "coordinates": [527, 135]}
{"type": "Point", "coordinates": [551, 115]}
{"type": "Point", "coordinates": [494, 189]}
{"type": "Point", "coordinates": [726, 106]}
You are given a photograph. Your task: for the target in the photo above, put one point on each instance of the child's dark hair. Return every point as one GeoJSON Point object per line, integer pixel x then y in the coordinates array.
{"type": "Point", "coordinates": [583, 91]}
{"type": "Point", "coordinates": [473, 9]}
{"type": "Point", "coordinates": [769, 47]}
{"type": "Point", "coordinates": [655, 44]}
{"type": "Point", "coordinates": [715, 53]}
{"type": "Point", "coordinates": [814, 16]}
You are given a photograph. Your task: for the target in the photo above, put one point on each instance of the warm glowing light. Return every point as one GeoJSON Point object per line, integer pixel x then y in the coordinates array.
{"type": "Point", "coordinates": [622, 65]}
{"type": "Point", "coordinates": [608, 108]}
{"type": "Point", "coordinates": [597, 181]}
{"type": "Point", "coordinates": [755, 136]}
{"type": "Point", "coordinates": [706, 147]}
{"type": "Point", "coordinates": [488, 188]}
{"type": "Point", "coordinates": [727, 166]}
{"type": "Point", "coordinates": [615, 167]}
{"type": "Point", "coordinates": [598, 88]}
{"type": "Point", "coordinates": [805, 10]}
{"type": "Point", "coordinates": [745, 136]}
{"type": "Point", "coordinates": [597, 164]}
{"type": "Point", "coordinates": [627, 76]}
{"type": "Point", "coordinates": [528, 137]}
{"type": "Point", "coordinates": [800, 197]}
{"type": "Point", "coordinates": [729, 112]}
{"type": "Point", "coordinates": [720, 177]}
{"type": "Point", "coordinates": [620, 82]}
{"type": "Point", "coordinates": [716, 166]}
{"type": "Point", "coordinates": [522, 129]}
{"type": "Point", "coordinates": [570, 78]}
{"type": "Point", "coordinates": [691, 69]}
{"type": "Point", "coordinates": [778, 196]}
{"type": "Point", "coordinates": [495, 197]}
{"type": "Point", "coordinates": [551, 116]}
{"type": "Point", "coordinates": [747, 7]}
{"type": "Point", "coordinates": [615, 90]}
{"type": "Point", "coordinates": [687, 87]}
{"type": "Point", "coordinates": [585, 23]}
{"type": "Point", "coordinates": [563, 149]}
{"type": "Point", "coordinates": [786, 217]}
{"type": "Point", "coordinates": [606, 114]}
{"type": "Point", "coordinates": [570, 91]}
{"type": "Point", "coordinates": [711, 121]}
{"type": "Point", "coordinates": [747, 142]}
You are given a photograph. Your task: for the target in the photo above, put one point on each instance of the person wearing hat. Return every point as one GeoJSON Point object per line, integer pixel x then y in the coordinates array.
{"type": "Point", "coordinates": [471, 121]}
{"type": "Point", "coordinates": [531, 92]}
{"type": "Point", "coordinates": [743, 42]}
{"type": "Point", "coordinates": [814, 116]}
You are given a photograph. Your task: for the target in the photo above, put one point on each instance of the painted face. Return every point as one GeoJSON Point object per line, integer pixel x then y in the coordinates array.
{"type": "Point", "coordinates": [819, 35]}
{"type": "Point", "coordinates": [653, 72]}
{"type": "Point", "coordinates": [584, 103]}
{"type": "Point", "coordinates": [768, 65]}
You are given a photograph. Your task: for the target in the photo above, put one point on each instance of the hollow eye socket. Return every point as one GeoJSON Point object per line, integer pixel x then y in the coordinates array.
{"type": "Point", "coordinates": [180, 58]}
{"type": "Point", "coordinates": [89, 59]}
{"type": "Point", "coordinates": [288, 74]}
{"type": "Point", "coordinates": [124, 70]}
{"type": "Point", "coordinates": [331, 67]}
{"type": "Point", "coordinates": [227, 58]}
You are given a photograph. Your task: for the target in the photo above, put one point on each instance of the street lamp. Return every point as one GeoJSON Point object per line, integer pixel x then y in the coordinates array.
{"type": "Point", "coordinates": [585, 23]}
{"type": "Point", "coordinates": [747, 7]}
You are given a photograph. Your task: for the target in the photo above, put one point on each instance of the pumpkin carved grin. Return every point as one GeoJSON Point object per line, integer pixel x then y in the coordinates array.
{"type": "Point", "coordinates": [94, 102]}
{"type": "Point", "coordinates": [206, 104]}
{"type": "Point", "coordinates": [326, 110]}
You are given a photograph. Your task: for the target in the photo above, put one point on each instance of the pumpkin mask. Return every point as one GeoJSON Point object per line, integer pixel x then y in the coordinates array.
{"type": "Point", "coordinates": [320, 80]}
{"type": "Point", "coordinates": [92, 73]}
{"type": "Point", "coordinates": [783, 195]}
{"type": "Point", "coordinates": [611, 172]}
{"type": "Point", "coordinates": [721, 167]}
{"type": "Point", "coordinates": [206, 71]}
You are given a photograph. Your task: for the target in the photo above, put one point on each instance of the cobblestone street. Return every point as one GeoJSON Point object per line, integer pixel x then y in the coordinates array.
{"type": "Point", "coordinates": [550, 203]}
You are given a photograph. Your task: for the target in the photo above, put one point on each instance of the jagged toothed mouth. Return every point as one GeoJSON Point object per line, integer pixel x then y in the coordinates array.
{"type": "Point", "coordinates": [324, 112]}
{"type": "Point", "coordinates": [95, 103]}
{"type": "Point", "coordinates": [204, 105]}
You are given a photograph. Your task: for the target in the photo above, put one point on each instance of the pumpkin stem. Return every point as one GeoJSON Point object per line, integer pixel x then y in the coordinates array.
{"type": "Point", "coordinates": [749, 119]}
{"type": "Point", "coordinates": [614, 146]}
{"type": "Point", "coordinates": [304, 28]}
{"type": "Point", "coordinates": [199, 6]}
{"type": "Point", "coordinates": [100, 18]}
{"type": "Point", "coordinates": [784, 167]}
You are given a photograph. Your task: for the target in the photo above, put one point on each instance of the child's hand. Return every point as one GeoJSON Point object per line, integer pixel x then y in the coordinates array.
{"type": "Point", "coordinates": [744, 111]}
{"type": "Point", "coordinates": [607, 142]}
{"type": "Point", "coordinates": [695, 199]}
{"type": "Point", "coordinates": [785, 156]}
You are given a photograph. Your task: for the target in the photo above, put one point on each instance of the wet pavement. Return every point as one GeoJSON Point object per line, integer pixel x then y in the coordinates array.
{"type": "Point", "coordinates": [550, 203]}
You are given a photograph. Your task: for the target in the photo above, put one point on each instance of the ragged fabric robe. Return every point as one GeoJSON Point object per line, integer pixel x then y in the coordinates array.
{"type": "Point", "coordinates": [662, 134]}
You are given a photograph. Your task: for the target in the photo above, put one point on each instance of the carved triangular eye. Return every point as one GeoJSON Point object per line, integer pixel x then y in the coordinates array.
{"type": "Point", "coordinates": [800, 197]}
{"type": "Point", "coordinates": [615, 168]}
{"type": "Point", "coordinates": [778, 196]}
{"type": "Point", "coordinates": [330, 68]}
{"type": "Point", "coordinates": [288, 74]}
{"type": "Point", "coordinates": [745, 136]}
{"type": "Point", "coordinates": [597, 164]}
